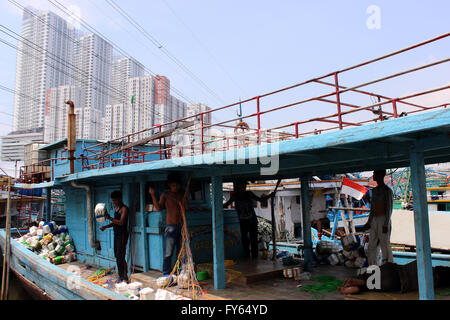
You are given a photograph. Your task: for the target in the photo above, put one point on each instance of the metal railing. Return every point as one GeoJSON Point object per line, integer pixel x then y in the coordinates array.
{"type": "Point", "coordinates": [205, 136]}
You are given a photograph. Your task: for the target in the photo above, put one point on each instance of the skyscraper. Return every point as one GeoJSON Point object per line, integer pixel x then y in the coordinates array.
{"type": "Point", "coordinates": [42, 63]}
{"type": "Point", "coordinates": [56, 112]}
{"type": "Point", "coordinates": [123, 69]}
{"type": "Point", "coordinates": [93, 56]}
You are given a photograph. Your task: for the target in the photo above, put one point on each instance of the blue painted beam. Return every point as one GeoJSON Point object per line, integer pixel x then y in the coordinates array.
{"type": "Point", "coordinates": [218, 233]}
{"type": "Point", "coordinates": [306, 223]}
{"type": "Point", "coordinates": [48, 204]}
{"type": "Point", "coordinates": [422, 227]}
{"type": "Point", "coordinates": [394, 127]}
{"type": "Point", "coordinates": [128, 201]}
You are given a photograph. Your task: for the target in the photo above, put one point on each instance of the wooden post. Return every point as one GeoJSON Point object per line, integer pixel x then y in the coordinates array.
{"type": "Point", "coordinates": [421, 225]}
{"type": "Point", "coordinates": [306, 218]}
{"type": "Point", "coordinates": [144, 239]}
{"type": "Point", "coordinates": [274, 225]}
{"type": "Point", "coordinates": [218, 232]}
{"type": "Point", "coordinates": [48, 204]}
{"type": "Point", "coordinates": [5, 275]}
{"type": "Point", "coordinates": [274, 229]}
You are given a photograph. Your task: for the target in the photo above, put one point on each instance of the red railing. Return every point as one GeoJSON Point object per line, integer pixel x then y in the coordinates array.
{"type": "Point", "coordinates": [38, 172]}
{"type": "Point", "coordinates": [205, 137]}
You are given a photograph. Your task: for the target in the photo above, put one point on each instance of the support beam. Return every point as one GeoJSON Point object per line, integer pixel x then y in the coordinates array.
{"type": "Point", "coordinates": [128, 201]}
{"type": "Point", "coordinates": [218, 232]}
{"type": "Point", "coordinates": [142, 213]}
{"type": "Point", "coordinates": [48, 204]}
{"type": "Point", "coordinates": [422, 227]}
{"type": "Point", "coordinates": [306, 223]}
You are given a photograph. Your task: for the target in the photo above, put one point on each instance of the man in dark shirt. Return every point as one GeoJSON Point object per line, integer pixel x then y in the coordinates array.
{"type": "Point", "coordinates": [170, 200]}
{"type": "Point", "coordinates": [243, 202]}
{"type": "Point", "coordinates": [396, 278]}
{"type": "Point", "coordinates": [120, 226]}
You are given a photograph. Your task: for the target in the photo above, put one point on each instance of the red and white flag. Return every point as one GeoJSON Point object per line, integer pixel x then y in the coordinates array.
{"type": "Point", "coordinates": [353, 189]}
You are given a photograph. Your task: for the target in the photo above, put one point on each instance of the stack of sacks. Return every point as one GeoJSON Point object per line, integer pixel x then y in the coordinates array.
{"type": "Point", "coordinates": [50, 242]}
{"type": "Point", "coordinates": [352, 255]}
{"type": "Point", "coordinates": [328, 252]}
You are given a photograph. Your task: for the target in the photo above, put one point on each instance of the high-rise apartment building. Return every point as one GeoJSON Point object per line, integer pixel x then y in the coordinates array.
{"type": "Point", "coordinates": [43, 62]}
{"type": "Point", "coordinates": [57, 111]}
{"type": "Point", "coordinates": [123, 69]}
{"type": "Point", "coordinates": [93, 56]}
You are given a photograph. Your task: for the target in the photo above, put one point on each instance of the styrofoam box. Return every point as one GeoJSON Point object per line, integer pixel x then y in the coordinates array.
{"type": "Point", "coordinates": [147, 294]}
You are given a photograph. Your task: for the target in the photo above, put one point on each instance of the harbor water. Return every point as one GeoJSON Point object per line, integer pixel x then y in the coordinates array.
{"type": "Point", "coordinates": [16, 290]}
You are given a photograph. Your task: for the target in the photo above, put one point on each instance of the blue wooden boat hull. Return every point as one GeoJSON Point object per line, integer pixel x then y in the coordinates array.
{"type": "Point", "coordinates": [51, 279]}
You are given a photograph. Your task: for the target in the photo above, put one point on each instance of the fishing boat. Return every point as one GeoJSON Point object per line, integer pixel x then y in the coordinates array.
{"type": "Point", "coordinates": [88, 171]}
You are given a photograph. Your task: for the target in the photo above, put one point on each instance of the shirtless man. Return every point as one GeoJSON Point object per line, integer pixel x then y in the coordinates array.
{"type": "Point", "coordinates": [380, 220]}
{"type": "Point", "coordinates": [170, 200]}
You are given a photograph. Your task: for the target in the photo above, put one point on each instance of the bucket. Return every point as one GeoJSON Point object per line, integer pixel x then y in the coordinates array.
{"type": "Point", "coordinates": [46, 229]}
{"type": "Point", "coordinates": [33, 231]}
{"type": "Point", "coordinates": [59, 260]}
{"type": "Point", "coordinates": [69, 257]}
{"type": "Point", "coordinates": [100, 212]}
{"type": "Point", "coordinates": [59, 249]}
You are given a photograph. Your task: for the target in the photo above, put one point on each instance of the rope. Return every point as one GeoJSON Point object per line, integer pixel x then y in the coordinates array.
{"type": "Point", "coordinates": [185, 264]}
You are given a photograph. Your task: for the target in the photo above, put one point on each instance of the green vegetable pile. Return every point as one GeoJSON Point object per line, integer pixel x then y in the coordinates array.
{"type": "Point", "coordinates": [326, 284]}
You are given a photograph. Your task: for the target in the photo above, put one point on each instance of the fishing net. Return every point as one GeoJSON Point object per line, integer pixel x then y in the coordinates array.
{"type": "Point", "coordinates": [327, 284]}
{"type": "Point", "coordinates": [183, 273]}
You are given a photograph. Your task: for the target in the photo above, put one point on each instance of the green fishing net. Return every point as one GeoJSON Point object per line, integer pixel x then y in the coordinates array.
{"type": "Point", "coordinates": [326, 284]}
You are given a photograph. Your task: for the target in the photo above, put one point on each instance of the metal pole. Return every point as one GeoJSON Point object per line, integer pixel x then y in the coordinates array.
{"type": "Point", "coordinates": [71, 133]}
{"type": "Point", "coordinates": [338, 99]}
{"type": "Point", "coordinates": [218, 233]}
{"type": "Point", "coordinates": [258, 116]}
{"type": "Point", "coordinates": [203, 143]}
{"type": "Point", "coordinates": [49, 204]}
{"type": "Point", "coordinates": [394, 106]}
{"type": "Point", "coordinates": [306, 221]}
{"type": "Point", "coordinates": [274, 241]}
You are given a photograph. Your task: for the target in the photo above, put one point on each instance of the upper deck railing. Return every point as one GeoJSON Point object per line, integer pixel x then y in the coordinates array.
{"type": "Point", "coordinates": [202, 133]}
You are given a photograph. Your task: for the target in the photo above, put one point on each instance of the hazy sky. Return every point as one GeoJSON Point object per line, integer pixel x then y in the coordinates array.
{"type": "Point", "coordinates": [242, 49]}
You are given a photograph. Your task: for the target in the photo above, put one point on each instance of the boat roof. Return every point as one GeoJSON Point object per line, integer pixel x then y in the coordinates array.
{"type": "Point", "coordinates": [381, 145]}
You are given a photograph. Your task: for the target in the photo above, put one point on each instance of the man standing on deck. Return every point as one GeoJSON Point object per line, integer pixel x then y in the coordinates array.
{"type": "Point", "coordinates": [120, 226]}
{"type": "Point", "coordinates": [380, 220]}
{"type": "Point", "coordinates": [243, 201]}
{"type": "Point", "coordinates": [170, 200]}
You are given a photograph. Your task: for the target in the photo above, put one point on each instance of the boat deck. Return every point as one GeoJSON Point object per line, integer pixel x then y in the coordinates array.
{"type": "Point", "coordinates": [264, 280]}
